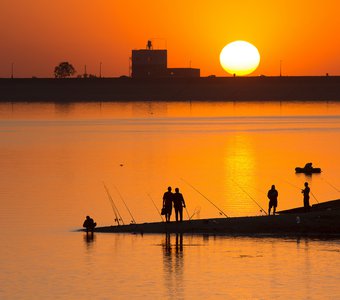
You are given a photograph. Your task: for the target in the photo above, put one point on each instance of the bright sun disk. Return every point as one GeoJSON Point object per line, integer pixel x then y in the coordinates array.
{"type": "Point", "coordinates": [239, 58]}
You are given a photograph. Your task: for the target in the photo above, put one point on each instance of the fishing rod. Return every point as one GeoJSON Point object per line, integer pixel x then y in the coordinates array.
{"type": "Point", "coordinates": [250, 197]}
{"type": "Point", "coordinates": [196, 210]}
{"type": "Point", "coordinates": [220, 210]}
{"type": "Point", "coordinates": [187, 213]}
{"type": "Point", "coordinates": [112, 204]}
{"type": "Point", "coordinates": [292, 184]}
{"type": "Point", "coordinates": [330, 184]}
{"type": "Point", "coordinates": [255, 188]}
{"type": "Point", "coordinates": [302, 190]}
{"type": "Point", "coordinates": [121, 197]}
{"type": "Point", "coordinates": [156, 207]}
{"type": "Point", "coordinates": [114, 207]}
{"type": "Point", "coordinates": [314, 197]}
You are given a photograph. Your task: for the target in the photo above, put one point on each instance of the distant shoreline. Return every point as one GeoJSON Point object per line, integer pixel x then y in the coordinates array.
{"type": "Point", "coordinates": [285, 88]}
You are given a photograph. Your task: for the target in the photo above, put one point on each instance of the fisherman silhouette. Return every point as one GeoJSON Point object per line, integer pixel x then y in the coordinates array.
{"type": "Point", "coordinates": [178, 204]}
{"type": "Point", "coordinates": [167, 203]}
{"type": "Point", "coordinates": [89, 224]}
{"type": "Point", "coordinates": [305, 193]}
{"type": "Point", "coordinates": [272, 196]}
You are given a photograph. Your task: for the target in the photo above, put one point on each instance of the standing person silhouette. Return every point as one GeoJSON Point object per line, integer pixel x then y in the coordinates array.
{"type": "Point", "coordinates": [179, 203]}
{"type": "Point", "coordinates": [272, 196]}
{"type": "Point", "coordinates": [167, 203]}
{"type": "Point", "coordinates": [305, 193]}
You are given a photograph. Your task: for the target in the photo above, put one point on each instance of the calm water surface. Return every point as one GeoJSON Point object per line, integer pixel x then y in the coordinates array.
{"type": "Point", "coordinates": [55, 158]}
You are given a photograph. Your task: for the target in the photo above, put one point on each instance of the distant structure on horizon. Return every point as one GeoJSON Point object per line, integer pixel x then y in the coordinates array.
{"type": "Point", "coordinates": [150, 63]}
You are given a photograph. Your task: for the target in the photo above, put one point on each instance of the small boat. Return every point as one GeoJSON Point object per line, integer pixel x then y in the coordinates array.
{"type": "Point", "coordinates": [322, 220]}
{"type": "Point", "coordinates": [307, 169]}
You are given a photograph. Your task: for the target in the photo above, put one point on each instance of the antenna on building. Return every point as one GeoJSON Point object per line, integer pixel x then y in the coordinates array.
{"type": "Point", "coordinates": [162, 39]}
{"type": "Point", "coordinates": [149, 45]}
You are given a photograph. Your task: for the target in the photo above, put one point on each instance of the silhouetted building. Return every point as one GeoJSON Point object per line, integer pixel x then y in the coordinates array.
{"type": "Point", "coordinates": [149, 63]}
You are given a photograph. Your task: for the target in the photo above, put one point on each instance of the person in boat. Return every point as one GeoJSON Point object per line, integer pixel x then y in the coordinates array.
{"type": "Point", "coordinates": [89, 224]}
{"type": "Point", "coordinates": [308, 167]}
{"type": "Point", "coordinates": [272, 196]}
{"type": "Point", "coordinates": [167, 203]}
{"type": "Point", "coordinates": [179, 203]}
{"type": "Point", "coordinates": [305, 193]}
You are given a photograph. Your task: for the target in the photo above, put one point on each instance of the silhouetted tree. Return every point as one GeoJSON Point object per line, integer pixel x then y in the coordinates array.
{"type": "Point", "coordinates": [64, 69]}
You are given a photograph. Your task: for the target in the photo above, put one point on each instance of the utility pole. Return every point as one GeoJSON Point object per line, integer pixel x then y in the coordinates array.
{"type": "Point", "coordinates": [12, 71]}
{"type": "Point", "coordinates": [100, 70]}
{"type": "Point", "coordinates": [280, 68]}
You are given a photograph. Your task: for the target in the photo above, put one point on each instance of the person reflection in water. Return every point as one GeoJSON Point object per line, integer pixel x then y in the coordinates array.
{"type": "Point", "coordinates": [89, 224]}
{"type": "Point", "coordinates": [305, 193]}
{"type": "Point", "coordinates": [167, 245]}
{"type": "Point", "coordinates": [178, 204]}
{"type": "Point", "coordinates": [167, 203]}
{"type": "Point", "coordinates": [89, 238]}
{"type": "Point", "coordinates": [179, 243]}
{"type": "Point", "coordinates": [272, 196]}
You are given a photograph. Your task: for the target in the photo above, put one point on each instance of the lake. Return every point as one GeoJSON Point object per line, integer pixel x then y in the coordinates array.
{"type": "Point", "coordinates": [55, 159]}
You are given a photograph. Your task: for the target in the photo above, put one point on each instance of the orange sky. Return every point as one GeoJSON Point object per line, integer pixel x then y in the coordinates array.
{"type": "Point", "coordinates": [38, 34]}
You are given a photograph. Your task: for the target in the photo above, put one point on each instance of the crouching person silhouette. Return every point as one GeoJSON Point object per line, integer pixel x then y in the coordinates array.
{"type": "Point", "coordinates": [89, 224]}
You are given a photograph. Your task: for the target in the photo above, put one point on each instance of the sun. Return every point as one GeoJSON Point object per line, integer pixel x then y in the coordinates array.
{"type": "Point", "coordinates": [239, 58]}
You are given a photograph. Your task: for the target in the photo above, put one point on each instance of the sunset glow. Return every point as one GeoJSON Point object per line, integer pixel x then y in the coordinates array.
{"type": "Point", "coordinates": [169, 149]}
{"type": "Point", "coordinates": [36, 36]}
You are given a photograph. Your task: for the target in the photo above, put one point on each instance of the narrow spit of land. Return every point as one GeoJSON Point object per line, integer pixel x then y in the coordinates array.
{"type": "Point", "coordinates": [322, 224]}
{"type": "Point", "coordinates": [307, 88]}
{"type": "Point", "coordinates": [323, 220]}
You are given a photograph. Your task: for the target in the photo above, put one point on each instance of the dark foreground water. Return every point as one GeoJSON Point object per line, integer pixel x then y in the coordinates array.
{"type": "Point", "coordinates": [55, 158]}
